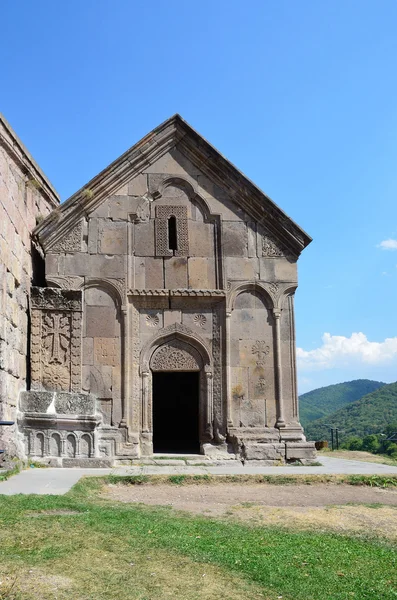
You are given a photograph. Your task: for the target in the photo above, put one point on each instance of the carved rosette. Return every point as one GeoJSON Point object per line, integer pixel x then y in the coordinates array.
{"type": "Point", "coordinates": [56, 339]}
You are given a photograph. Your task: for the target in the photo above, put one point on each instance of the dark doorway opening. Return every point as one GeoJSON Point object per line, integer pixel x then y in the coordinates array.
{"type": "Point", "coordinates": [176, 412]}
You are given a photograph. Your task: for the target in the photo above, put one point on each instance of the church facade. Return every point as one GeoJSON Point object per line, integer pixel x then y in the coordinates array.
{"type": "Point", "coordinates": [167, 323]}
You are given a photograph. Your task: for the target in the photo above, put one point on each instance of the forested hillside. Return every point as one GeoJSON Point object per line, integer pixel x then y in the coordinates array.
{"type": "Point", "coordinates": [371, 414]}
{"type": "Point", "coordinates": [326, 400]}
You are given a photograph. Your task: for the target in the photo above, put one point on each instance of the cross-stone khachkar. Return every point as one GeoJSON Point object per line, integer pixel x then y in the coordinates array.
{"type": "Point", "coordinates": [167, 323]}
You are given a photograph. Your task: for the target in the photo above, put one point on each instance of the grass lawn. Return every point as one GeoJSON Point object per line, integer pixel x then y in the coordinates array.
{"type": "Point", "coordinates": [82, 547]}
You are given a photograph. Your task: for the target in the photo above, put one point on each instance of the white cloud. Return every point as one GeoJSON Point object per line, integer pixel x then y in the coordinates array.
{"type": "Point", "coordinates": [388, 245]}
{"type": "Point", "coordinates": [341, 351]}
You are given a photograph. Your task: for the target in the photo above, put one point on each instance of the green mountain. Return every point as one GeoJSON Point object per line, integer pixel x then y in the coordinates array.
{"type": "Point", "coordinates": [370, 414]}
{"type": "Point", "coordinates": [326, 400]}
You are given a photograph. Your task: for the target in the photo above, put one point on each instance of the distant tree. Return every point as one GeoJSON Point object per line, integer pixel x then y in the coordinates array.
{"type": "Point", "coordinates": [370, 443]}
{"type": "Point", "coordinates": [354, 443]}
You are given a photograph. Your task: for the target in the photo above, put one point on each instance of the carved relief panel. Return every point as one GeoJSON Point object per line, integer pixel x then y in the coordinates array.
{"type": "Point", "coordinates": [56, 339]}
{"type": "Point", "coordinates": [175, 356]}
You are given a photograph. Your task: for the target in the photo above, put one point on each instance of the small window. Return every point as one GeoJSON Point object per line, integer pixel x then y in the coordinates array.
{"type": "Point", "coordinates": [172, 234]}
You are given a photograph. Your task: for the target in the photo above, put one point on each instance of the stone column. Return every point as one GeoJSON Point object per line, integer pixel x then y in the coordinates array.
{"type": "Point", "coordinates": [145, 401]}
{"type": "Point", "coordinates": [278, 369]}
{"type": "Point", "coordinates": [125, 365]}
{"type": "Point", "coordinates": [228, 371]}
{"type": "Point", "coordinates": [210, 404]}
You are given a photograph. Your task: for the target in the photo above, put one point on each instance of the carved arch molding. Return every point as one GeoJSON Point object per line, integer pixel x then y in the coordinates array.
{"type": "Point", "coordinates": [176, 356]}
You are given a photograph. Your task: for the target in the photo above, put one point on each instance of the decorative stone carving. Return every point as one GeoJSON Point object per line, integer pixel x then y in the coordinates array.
{"type": "Point", "coordinates": [200, 320]}
{"type": "Point", "coordinates": [196, 293]}
{"type": "Point", "coordinates": [71, 242]}
{"type": "Point", "coordinates": [159, 292]}
{"type": "Point", "coordinates": [152, 321]}
{"type": "Point", "coordinates": [270, 248]}
{"type": "Point", "coordinates": [175, 357]}
{"type": "Point", "coordinates": [261, 385]}
{"type": "Point", "coordinates": [65, 283]}
{"type": "Point", "coordinates": [54, 299]}
{"type": "Point", "coordinates": [163, 213]}
{"type": "Point", "coordinates": [56, 335]}
{"type": "Point", "coordinates": [75, 404]}
{"type": "Point", "coordinates": [56, 339]}
{"type": "Point", "coordinates": [261, 351]}
{"type": "Point", "coordinates": [106, 351]}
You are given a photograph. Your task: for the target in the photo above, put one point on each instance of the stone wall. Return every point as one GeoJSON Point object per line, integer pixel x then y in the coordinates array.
{"type": "Point", "coordinates": [25, 197]}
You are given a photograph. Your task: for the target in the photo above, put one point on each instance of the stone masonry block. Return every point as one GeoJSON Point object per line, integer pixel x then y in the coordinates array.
{"type": "Point", "coordinates": [112, 237]}
{"type": "Point", "coordinates": [144, 238]}
{"type": "Point", "coordinates": [198, 273]}
{"type": "Point", "coordinates": [154, 272]}
{"type": "Point", "coordinates": [252, 451]}
{"type": "Point", "coordinates": [100, 321]}
{"type": "Point", "coordinates": [234, 238]}
{"type": "Point", "coordinates": [176, 272]}
{"type": "Point", "coordinates": [94, 265]}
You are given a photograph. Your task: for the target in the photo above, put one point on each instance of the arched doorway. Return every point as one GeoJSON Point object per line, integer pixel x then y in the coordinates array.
{"type": "Point", "coordinates": [176, 372]}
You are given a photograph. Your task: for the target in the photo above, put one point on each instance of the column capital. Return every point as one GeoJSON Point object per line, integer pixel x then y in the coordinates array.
{"type": "Point", "coordinates": [277, 313]}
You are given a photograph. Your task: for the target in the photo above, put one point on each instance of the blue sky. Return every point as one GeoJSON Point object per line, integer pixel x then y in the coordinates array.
{"type": "Point", "coordinates": [301, 96]}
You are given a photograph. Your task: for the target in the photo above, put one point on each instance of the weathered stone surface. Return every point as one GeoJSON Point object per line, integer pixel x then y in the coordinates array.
{"type": "Point", "coordinates": [37, 402]}
{"type": "Point", "coordinates": [176, 275]}
{"type": "Point", "coordinates": [253, 451]}
{"type": "Point", "coordinates": [235, 238]}
{"type": "Point", "coordinates": [154, 270]}
{"type": "Point", "coordinates": [138, 185]}
{"type": "Point", "coordinates": [112, 237]}
{"type": "Point", "coordinates": [107, 351]}
{"type": "Point", "coordinates": [74, 404]}
{"type": "Point", "coordinates": [100, 321]}
{"type": "Point", "coordinates": [144, 238]}
{"type": "Point", "coordinates": [87, 463]}
{"type": "Point", "coordinates": [300, 451]}
{"type": "Point", "coordinates": [94, 265]}
{"type": "Point", "coordinates": [88, 351]}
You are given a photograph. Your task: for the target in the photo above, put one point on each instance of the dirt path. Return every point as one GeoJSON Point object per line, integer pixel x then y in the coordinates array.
{"type": "Point", "coordinates": [319, 506]}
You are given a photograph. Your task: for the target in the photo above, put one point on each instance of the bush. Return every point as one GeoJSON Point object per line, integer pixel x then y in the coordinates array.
{"type": "Point", "coordinates": [354, 443]}
{"type": "Point", "coordinates": [371, 443]}
{"type": "Point", "coordinates": [392, 449]}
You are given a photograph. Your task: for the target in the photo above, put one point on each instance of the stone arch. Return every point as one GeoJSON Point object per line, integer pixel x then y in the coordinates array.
{"type": "Point", "coordinates": [191, 193]}
{"type": "Point", "coordinates": [179, 333]}
{"type": "Point", "coordinates": [39, 444]}
{"type": "Point", "coordinates": [176, 355]}
{"type": "Point", "coordinates": [107, 286]}
{"type": "Point", "coordinates": [85, 449]}
{"type": "Point", "coordinates": [71, 445]}
{"type": "Point", "coordinates": [253, 287]}
{"type": "Point", "coordinates": [55, 445]}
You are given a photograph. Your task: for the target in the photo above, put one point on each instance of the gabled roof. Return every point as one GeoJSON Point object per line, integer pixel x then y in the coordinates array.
{"type": "Point", "coordinates": [175, 132]}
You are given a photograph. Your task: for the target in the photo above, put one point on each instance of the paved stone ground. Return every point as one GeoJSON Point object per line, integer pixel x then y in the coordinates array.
{"type": "Point", "coordinates": [59, 481]}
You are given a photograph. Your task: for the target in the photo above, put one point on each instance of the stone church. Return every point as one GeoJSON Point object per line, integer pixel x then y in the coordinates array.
{"type": "Point", "coordinates": [165, 323]}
